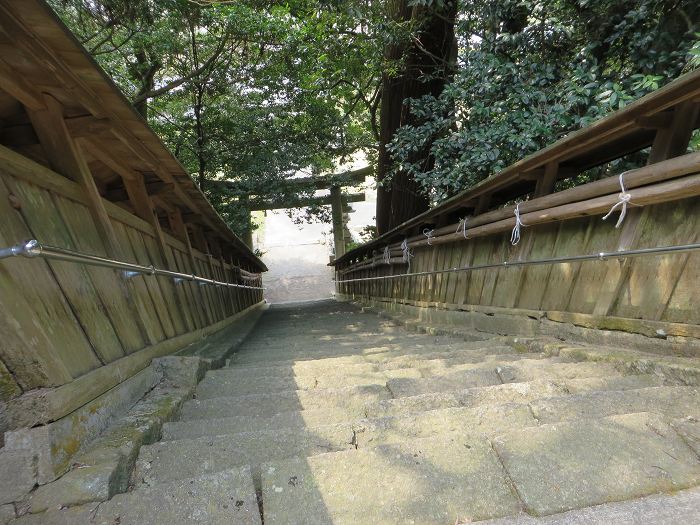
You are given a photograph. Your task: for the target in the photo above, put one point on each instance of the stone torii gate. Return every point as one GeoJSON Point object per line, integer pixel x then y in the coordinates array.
{"type": "Point", "coordinates": [337, 200]}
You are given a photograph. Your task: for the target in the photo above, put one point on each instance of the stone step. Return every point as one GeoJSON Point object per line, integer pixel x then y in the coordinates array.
{"type": "Point", "coordinates": [505, 393]}
{"type": "Point", "coordinates": [351, 399]}
{"type": "Point", "coordinates": [175, 459]}
{"type": "Point", "coordinates": [670, 401]}
{"type": "Point", "coordinates": [564, 466]}
{"type": "Point", "coordinates": [219, 385]}
{"type": "Point", "coordinates": [488, 419]}
{"type": "Point", "coordinates": [428, 481]}
{"type": "Point", "coordinates": [172, 460]}
{"type": "Point", "coordinates": [236, 424]}
{"type": "Point", "coordinates": [485, 375]}
{"type": "Point", "coordinates": [682, 507]}
{"type": "Point", "coordinates": [221, 498]}
{"type": "Point", "coordinates": [235, 382]}
{"type": "Point", "coordinates": [321, 350]}
{"type": "Point", "coordinates": [349, 339]}
{"type": "Point", "coordinates": [521, 393]}
{"type": "Point", "coordinates": [458, 479]}
{"type": "Point", "coordinates": [375, 354]}
{"type": "Point", "coordinates": [361, 365]}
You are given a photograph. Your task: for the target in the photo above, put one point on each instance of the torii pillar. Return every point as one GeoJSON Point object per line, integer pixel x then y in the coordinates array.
{"type": "Point", "coordinates": [338, 226]}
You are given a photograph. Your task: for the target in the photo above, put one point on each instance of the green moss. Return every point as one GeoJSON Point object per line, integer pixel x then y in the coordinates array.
{"type": "Point", "coordinates": [8, 387]}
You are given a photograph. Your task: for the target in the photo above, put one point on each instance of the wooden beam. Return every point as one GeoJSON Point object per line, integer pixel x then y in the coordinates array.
{"type": "Point", "coordinates": [200, 240]}
{"type": "Point", "coordinates": [14, 85]}
{"type": "Point", "coordinates": [87, 126]}
{"type": "Point", "coordinates": [101, 151]}
{"type": "Point", "coordinates": [65, 157]}
{"type": "Point", "coordinates": [673, 140]}
{"type": "Point", "coordinates": [545, 184]}
{"type": "Point", "coordinates": [179, 229]}
{"type": "Point", "coordinates": [338, 226]}
{"type": "Point", "coordinates": [258, 205]}
{"type": "Point", "coordinates": [348, 178]}
{"type": "Point", "coordinates": [658, 121]}
{"type": "Point", "coordinates": [482, 204]}
{"type": "Point", "coordinates": [669, 142]}
{"type": "Point", "coordinates": [159, 188]}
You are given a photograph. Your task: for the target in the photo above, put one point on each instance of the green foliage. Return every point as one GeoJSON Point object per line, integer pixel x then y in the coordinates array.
{"type": "Point", "coordinates": [252, 92]}
{"type": "Point", "coordinates": [531, 71]}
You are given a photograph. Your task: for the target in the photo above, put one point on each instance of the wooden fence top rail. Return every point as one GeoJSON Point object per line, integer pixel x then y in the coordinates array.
{"type": "Point", "coordinates": [614, 136]}
{"type": "Point", "coordinates": [42, 58]}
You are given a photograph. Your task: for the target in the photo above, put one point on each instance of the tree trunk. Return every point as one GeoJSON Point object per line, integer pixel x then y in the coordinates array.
{"type": "Point", "coordinates": [428, 65]}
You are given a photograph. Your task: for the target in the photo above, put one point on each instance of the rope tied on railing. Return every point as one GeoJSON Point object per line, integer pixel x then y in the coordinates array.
{"type": "Point", "coordinates": [406, 253]}
{"type": "Point", "coordinates": [429, 234]}
{"type": "Point", "coordinates": [515, 235]}
{"type": "Point", "coordinates": [462, 226]}
{"type": "Point", "coordinates": [624, 199]}
{"type": "Point", "coordinates": [387, 255]}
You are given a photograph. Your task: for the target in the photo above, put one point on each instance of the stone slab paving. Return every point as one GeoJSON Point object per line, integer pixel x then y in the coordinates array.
{"type": "Point", "coordinates": [680, 508]}
{"type": "Point", "coordinates": [490, 374]}
{"type": "Point", "coordinates": [428, 481]}
{"type": "Point", "coordinates": [671, 401]}
{"type": "Point", "coordinates": [220, 385]}
{"type": "Point", "coordinates": [224, 498]}
{"type": "Point", "coordinates": [565, 466]}
{"type": "Point", "coordinates": [170, 460]}
{"type": "Point", "coordinates": [233, 425]}
{"type": "Point", "coordinates": [338, 417]}
{"type": "Point", "coordinates": [505, 393]}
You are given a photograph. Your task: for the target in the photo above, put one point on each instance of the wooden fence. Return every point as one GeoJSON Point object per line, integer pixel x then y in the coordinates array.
{"type": "Point", "coordinates": [663, 210]}
{"type": "Point", "coordinates": [60, 321]}
{"type": "Point", "coordinates": [81, 170]}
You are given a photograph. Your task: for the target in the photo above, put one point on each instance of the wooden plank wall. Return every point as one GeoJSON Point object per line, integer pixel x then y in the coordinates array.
{"type": "Point", "coordinates": [61, 320]}
{"type": "Point", "coordinates": [653, 288]}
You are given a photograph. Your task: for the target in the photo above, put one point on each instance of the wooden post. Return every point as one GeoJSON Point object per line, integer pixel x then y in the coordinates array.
{"type": "Point", "coordinates": [545, 183]}
{"type": "Point", "coordinates": [247, 234]}
{"type": "Point", "coordinates": [65, 157]}
{"type": "Point", "coordinates": [669, 142]}
{"type": "Point", "coordinates": [338, 226]}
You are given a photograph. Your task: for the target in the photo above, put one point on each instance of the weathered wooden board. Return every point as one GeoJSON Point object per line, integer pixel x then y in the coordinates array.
{"type": "Point", "coordinates": [146, 247]}
{"type": "Point", "coordinates": [651, 280]}
{"type": "Point", "coordinates": [36, 307]}
{"type": "Point", "coordinates": [683, 306]}
{"type": "Point", "coordinates": [482, 255]}
{"type": "Point", "coordinates": [109, 284]}
{"type": "Point", "coordinates": [572, 240]}
{"type": "Point", "coordinates": [591, 278]}
{"type": "Point", "coordinates": [160, 300]}
{"type": "Point", "coordinates": [44, 221]}
{"type": "Point", "coordinates": [501, 249]}
{"type": "Point", "coordinates": [534, 279]}
{"type": "Point", "coordinates": [140, 290]}
{"type": "Point", "coordinates": [181, 265]}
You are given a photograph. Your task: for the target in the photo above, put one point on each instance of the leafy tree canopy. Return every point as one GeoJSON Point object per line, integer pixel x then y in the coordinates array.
{"type": "Point", "coordinates": [531, 71]}
{"type": "Point", "coordinates": [251, 92]}
{"type": "Point", "coordinates": [255, 91]}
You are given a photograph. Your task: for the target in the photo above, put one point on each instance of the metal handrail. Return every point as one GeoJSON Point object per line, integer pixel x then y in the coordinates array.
{"type": "Point", "coordinates": [601, 256]}
{"type": "Point", "coordinates": [33, 248]}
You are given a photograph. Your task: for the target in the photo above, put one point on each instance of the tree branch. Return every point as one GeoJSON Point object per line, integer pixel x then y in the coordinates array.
{"type": "Point", "coordinates": [175, 83]}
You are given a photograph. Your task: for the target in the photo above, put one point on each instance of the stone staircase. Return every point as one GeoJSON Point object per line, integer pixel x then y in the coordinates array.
{"type": "Point", "coordinates": [327, 415]}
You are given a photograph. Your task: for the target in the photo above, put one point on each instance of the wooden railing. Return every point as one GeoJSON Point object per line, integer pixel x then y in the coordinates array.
{"type": "Point", "coordinates": [662, 209]}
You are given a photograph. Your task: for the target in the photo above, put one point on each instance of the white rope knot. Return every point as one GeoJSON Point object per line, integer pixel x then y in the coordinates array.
{"type": "Point", "coordinates": [387, 255]}
{"type": "Point", "coordinates": [406, 253]}
{"type": "Point", "coordinates": [515, 235]}
{"type": "Point", "coordinates": [624, 199]}
{"type": "Point", "coordinates": [463, 226]}
{"type": "Point", "coordinates": [429, 234]}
